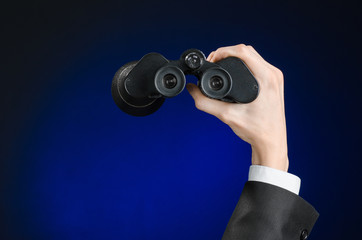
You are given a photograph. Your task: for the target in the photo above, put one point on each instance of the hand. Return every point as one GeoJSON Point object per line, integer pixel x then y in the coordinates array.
{"type": "Point", "coordinates": [261, 122]}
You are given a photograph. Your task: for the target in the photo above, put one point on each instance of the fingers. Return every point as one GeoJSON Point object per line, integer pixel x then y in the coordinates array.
{"type": "Point", "coordinates": [224, 52]}
{"type": "Point", "coordinates": [210, 56]}
{"type": "Point", "coordinates": [248, 54]}
{"type": "Point", "coordinates": [260, 57]}
{"type": "Point", "coordinates": [254, 51]}
{"type": "Point", "coordinates": [203, 103]}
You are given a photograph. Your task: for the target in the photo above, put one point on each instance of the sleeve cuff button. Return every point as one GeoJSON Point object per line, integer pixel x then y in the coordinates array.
{"type": "Point", "coordinates": [304, 234]}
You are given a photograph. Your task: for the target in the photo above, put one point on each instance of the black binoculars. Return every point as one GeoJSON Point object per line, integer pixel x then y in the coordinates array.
{"type": "Point", "coordinates": [139, 88]}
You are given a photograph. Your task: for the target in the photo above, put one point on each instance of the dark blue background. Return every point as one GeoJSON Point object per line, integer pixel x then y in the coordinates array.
{"type": "Point", "coordinates": [73, 166]}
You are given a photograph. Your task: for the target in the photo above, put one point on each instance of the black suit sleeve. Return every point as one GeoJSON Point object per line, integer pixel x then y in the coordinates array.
{"type": "Point", "coordinates": [268, 212]}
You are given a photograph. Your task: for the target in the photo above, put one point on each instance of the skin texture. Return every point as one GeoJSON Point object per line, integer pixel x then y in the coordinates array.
{"type": "Point", "coordinates": [261, 122]}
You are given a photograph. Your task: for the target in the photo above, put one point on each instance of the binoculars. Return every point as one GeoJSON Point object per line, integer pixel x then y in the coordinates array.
{"type": "Point", "coordinates": [139, 88]}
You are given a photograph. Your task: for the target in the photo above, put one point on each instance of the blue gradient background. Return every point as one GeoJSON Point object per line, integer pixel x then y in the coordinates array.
{"type": "Point", "coordinates": [73, 166]}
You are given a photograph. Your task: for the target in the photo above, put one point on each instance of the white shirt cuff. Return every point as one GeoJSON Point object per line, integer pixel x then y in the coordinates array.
{"type": "Point", "coordinates": [275, 177]}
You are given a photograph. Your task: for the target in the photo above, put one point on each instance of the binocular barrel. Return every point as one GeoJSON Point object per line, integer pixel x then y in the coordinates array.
{"type": "Point", "coordinates": [140, 88]}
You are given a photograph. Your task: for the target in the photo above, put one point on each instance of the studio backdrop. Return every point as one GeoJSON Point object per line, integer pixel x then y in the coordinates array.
{"type": "Point", "coordinates": [74, 166]}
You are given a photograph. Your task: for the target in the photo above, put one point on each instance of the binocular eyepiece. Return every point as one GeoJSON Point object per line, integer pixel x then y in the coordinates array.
{"type": "Point", "coordinates": [139, 88]}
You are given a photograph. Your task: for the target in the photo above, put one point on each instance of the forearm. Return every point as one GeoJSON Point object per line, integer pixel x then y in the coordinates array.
{"type": "Point", "coordinates": [269, 207]}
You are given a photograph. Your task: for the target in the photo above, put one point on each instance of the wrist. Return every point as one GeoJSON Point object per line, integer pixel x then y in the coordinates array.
{"type": "Point", "coordinates": [271, 156]}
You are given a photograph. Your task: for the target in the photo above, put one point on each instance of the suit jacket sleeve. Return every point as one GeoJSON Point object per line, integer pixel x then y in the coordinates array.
{"type": "Point", "coordinates": [268, 212]}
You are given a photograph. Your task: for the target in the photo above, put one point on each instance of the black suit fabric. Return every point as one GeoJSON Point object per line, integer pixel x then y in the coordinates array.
{"type": "Point", "coordinates": [268, 212]}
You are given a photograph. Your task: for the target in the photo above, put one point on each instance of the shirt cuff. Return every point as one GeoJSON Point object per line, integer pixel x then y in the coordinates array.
{"type": "Point", "coordinates": [275, 177]}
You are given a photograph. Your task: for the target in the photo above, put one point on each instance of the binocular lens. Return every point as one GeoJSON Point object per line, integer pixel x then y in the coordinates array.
{"type": "Point", "coordinates": [216, 83]}
{"type": "Point", "coordinates": [169, 81]}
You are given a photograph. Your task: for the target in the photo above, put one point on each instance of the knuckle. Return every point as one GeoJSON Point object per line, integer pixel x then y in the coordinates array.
{"type": "Point", "coordinates": [242, 47]}
{"type": "Point", "coordinates": [226, 115]}
{"type": "Point", "coordinates": [217, 52]}
{"type": "Point", "coordinates": [250, 47]}
{"type": "Point", "coordinates": [278, 72]}
{"type": "Point", "coordinates": [243, 51]}
{"type": "Point", "coordinates": [278, 75]}
{"type": "Point", "coordinates": [222, 52]}
{"type": "Point", "coordinates": [272, 77]}
{"type": "Point", "coordinates": [223, 116]}
{"type": "Point", "coordinates": [220, 49]}
{"type": "Point", "coordinates": [199, 104]}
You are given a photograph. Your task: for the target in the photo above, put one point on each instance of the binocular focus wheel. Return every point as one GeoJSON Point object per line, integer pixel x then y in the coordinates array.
{"type": "Point", "coordinates": [131, 105]}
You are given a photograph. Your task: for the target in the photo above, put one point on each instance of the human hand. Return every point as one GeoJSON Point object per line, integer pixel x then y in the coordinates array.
{"type": "Point", "coordinates": [261, 122]}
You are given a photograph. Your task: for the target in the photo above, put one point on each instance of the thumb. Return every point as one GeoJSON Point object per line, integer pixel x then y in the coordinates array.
{"type": "Point", "coordinates": [203, 103]}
